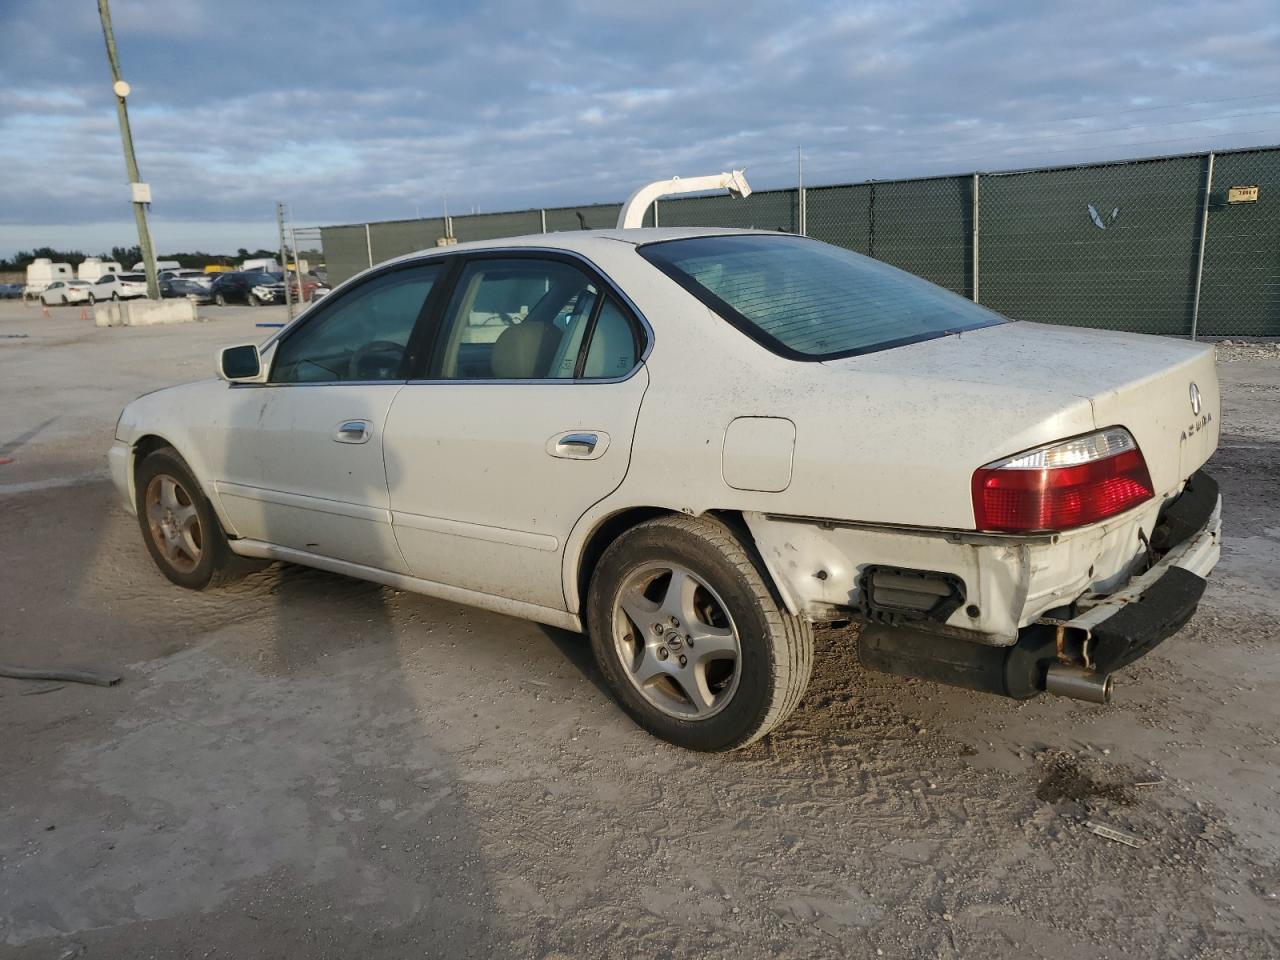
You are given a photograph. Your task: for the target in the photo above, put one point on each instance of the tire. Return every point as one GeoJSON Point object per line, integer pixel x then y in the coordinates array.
{"type": "Point", "coordinates": [219, 299]}
{"type": "Point", "coordinates": [728, 605]}
{"type": "Point", "coordinates": [65, 301]}
{"type": "Point", "coordinates": [115, 296]}
{"type": "Point", "coordinates": [251, 299]}
{"type": "Point", "coordinates": [92, 300]}
{"type": "Point", "coordinates": [197, 554]}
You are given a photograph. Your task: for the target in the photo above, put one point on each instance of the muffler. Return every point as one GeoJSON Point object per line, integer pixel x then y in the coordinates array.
{"type": "Point", "coordinates": [1078, 683]}
{"type": "Point", "coordinates": [1021, 671]}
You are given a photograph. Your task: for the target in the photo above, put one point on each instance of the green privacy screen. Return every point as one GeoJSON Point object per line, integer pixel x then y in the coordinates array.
{"type": "Point", "coordinates": [1115, 245]}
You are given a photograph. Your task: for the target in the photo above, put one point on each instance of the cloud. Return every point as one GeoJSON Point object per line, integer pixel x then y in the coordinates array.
{"type": "Point", "coordinates": [372, 111]}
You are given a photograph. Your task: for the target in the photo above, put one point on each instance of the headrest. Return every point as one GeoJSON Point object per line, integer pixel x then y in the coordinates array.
{"type": "Point", "coordinates": [519, 351]}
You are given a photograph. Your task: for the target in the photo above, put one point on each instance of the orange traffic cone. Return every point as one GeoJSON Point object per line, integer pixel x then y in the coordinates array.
{"type": "Point", "coordinates": [84, 313]}
{"type": "Point", "coordinates": [44, 310]}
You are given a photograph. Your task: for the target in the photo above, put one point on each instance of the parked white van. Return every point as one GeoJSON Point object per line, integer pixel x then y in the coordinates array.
{"type": "Point", "coordinates": [263, 265]}
{"type": "Point", "coordinates": [41, 272]}
{"type": "Point", "coordinates": [94, 268]}
{"type": "Point", "coordinates": [141, 267]}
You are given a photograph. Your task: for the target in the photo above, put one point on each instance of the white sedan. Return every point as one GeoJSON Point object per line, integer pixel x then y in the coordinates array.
{"type": "Point", "coordinates": [119, 286]}
{"type": "Point", "coordinates": [67, 291]}
{"type": "Point", "coordinates": [695, 444]}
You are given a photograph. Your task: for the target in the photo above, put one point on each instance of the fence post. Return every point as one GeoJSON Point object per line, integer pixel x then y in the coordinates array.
{"type": "Point", "coordinates": [1204, 232]}
{"type": "Point", "coordinates": [368, 243]}
{"type": "Point", "coordinates": [801, 211]}
{"type": "Point", "coordinates": [977, 209]}
{"type": "Point", "coordinates": [543, 211]}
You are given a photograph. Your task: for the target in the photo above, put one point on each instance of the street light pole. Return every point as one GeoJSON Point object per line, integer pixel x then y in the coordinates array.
{"type": "Point", "coordinates": [284, 261]}
{"type": "Point", "coordinates": [141, 192]}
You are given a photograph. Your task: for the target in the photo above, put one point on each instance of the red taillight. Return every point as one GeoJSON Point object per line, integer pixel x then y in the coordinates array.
{"type": "Point", "coordinates": [1063, 485]}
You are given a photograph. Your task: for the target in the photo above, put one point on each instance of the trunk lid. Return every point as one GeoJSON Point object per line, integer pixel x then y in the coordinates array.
{"type": "Point", "coordinates": [1143, 383]}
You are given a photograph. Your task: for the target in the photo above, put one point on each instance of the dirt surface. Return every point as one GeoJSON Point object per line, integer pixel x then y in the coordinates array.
{"type": "Point", "coordinates": [305, 765]}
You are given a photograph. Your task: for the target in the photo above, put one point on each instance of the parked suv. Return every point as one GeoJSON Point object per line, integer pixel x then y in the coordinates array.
{"type": "Point", "coordinates": [251, 287]}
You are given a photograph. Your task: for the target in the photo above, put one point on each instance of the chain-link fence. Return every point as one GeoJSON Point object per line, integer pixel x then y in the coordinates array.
{"type": "Point", "coordinates": [1176, 245]}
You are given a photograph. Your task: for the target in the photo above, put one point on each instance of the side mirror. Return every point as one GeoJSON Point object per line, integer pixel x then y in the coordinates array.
{"type": "Point", "coordinates": [240, 364]}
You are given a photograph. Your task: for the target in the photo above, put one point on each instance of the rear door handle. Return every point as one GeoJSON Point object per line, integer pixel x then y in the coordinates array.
{"type": "Point", "coordinates": [353, 431]}
{"type": "Point", "coordinates": [578, 445]}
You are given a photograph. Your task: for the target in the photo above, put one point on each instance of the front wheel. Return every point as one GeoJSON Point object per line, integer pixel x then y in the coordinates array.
{"type": "Point", "coordinates": [115, 296]}
{"type": "Point", "coordinates": [181, 530]}
{"type": "Point", "coordinates": [252, 300]}
{"type": "Point", "coordinates": [690, 638]}
{"type": "Point", "coordinates": [92, 300]}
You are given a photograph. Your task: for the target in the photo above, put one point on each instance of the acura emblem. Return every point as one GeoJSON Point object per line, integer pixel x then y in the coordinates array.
{"type": "Point", "coordinates": [1195, 400]}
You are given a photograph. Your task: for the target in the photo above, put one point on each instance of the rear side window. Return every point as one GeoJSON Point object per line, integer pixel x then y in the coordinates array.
{"type": "Point", "coordinates": [809, 300]}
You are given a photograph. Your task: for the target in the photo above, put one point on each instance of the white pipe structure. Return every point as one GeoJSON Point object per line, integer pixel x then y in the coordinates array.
{"type": "Point", "coordinates": [637, 205]}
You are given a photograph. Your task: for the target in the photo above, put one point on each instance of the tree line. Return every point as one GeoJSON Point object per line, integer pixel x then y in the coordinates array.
{"type": "Point", "coordinates": [128, 256]}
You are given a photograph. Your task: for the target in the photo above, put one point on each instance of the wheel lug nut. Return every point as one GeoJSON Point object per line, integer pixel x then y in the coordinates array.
{"type": "Point", "coordinates": [688, 642]}
{"type": "Point", "coordinates": [658, 629]}
{"type": "Point", "coordinates": [663, 653]}
{"type": "Point", "coordinates": [675, 623]}
{"type": "Point", "coordinates": [684, 661]}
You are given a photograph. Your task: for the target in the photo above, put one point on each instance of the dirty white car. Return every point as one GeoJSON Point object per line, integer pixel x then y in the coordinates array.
{"type": "Point", "coordinates": [694, 445]}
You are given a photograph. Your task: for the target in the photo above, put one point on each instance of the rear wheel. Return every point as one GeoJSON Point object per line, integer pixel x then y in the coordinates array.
{"type": "Point", "coordinates": [690, 637]}
{"type": "Point", "coordinates": [180, 528]}
{"type": "Point", "coordinates": [115, 296]}
{"type": "Point", "coordinates": [219, 299]}
{"type": "Point", "coordinates": [65, 301]}
{"type": "Point", "coordinates": [92, 300]}
{"type": "Point", "coordinates": [252, 299]}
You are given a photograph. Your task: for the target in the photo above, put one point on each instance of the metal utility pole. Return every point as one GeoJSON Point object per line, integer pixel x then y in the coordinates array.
{"type": "Point", "coordinates": [1204, 234]}
{"type": "Point", "coordinates": [284, 261]}
{"type": "Point", "coordinates": [141, 191]}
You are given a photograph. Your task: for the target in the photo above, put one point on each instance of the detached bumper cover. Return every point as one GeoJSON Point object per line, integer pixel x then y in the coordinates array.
{"type": "Point", "coordinates": [1155, 605]}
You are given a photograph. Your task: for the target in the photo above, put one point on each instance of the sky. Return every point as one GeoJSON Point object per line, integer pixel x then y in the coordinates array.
{"type": "Point", "coordinates": [387, 109]}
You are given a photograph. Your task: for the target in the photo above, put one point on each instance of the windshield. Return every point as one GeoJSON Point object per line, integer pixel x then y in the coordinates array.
{"type": "Point", "coordinates": [260, 277]}
{"type": "Point", "coordinates": [809, 300]}
{"type": "Point", "coordinates": [136, 277]}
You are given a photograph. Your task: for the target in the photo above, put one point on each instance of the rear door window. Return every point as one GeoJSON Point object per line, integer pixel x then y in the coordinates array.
{"type": "Point", "coordinates": [530, 319]}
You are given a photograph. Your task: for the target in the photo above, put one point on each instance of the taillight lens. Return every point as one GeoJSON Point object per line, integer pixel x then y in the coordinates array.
{"type": "Point", "coordinates": [1062, 485]}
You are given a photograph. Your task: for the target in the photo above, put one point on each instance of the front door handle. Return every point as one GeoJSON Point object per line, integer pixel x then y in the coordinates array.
{"type": "Point", "coordinates": [578, 445]}
{"type": "Point", "coordinates": [353, 431]}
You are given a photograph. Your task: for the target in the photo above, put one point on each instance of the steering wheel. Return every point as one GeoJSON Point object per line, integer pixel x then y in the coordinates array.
{"type": "Point", "coordinates": [373, 346]}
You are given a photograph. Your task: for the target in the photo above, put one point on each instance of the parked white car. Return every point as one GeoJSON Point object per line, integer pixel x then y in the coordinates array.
{"type": "Point", "coordinates": [694, 445]}
{"type": "Point", "coordinates": [119, 286]}
{"type": "Point", "coordinates": [66, 291]}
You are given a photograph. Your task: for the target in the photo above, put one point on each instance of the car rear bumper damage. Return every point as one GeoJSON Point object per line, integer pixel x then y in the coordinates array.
{"type": "Point", "coordinates": [1075, 656]}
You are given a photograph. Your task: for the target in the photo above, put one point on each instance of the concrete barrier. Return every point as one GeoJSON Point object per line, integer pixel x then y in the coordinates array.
{"type": "Point", "coordinates": [143, 313]}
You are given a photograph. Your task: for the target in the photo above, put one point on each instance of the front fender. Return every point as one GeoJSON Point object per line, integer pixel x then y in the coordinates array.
{"type": "Point", "coordinates": [166, 417]}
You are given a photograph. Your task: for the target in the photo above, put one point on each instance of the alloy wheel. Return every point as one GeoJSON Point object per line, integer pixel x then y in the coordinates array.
{"type": "Point", "coordinates": [676, 641]}
{"type": "Point", "coordinates": [174, 522]}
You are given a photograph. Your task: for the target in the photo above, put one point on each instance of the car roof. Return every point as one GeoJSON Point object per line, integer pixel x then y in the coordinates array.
{"type": "Point", "coordinates": [585, 241]}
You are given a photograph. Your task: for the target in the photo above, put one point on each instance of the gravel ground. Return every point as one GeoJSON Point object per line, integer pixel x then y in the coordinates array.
{"type": "Point", "coordinates": [305, 765]}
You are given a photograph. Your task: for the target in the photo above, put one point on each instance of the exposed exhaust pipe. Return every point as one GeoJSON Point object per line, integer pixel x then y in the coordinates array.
{"type": "Point", "coordinates": [1078, 683]}
{"type": "Point", "coordinates": [1026, 669]}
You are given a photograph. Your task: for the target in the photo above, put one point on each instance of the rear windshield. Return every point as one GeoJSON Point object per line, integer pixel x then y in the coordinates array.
{"type": "Point", "coordinates": [809, 300]}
